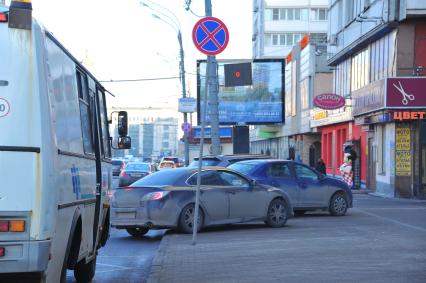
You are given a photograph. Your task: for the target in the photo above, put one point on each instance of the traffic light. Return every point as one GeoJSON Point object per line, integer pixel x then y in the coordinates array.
{"type": "Point", "coordinates": [238, 74]}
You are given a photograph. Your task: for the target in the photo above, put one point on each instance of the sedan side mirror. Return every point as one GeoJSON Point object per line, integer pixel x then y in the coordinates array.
{"type": "Point", "coordinates": [253, 183]}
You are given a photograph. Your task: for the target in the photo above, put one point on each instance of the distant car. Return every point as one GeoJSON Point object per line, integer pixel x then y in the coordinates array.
{"type": "Point", "coordinates": [166, 165]}
{"type": "Point", "coordinates": [134, 171]}
{"type": "Point", "coordinates": [308, 189]}
{"type": "Point", "coordinates": [165, 199]}
{"type": "Point", "coordinates": [178, 162]}
{"type": "Point", "coordinates": [226, 160]}
{"type": "Point", "coordinates": [117, 166]}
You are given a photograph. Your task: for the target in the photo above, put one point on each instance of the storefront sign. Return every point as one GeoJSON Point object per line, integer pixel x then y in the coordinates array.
{"type": "Point", "coordinates": [407, 115]}
{"type": "Point", "coordinates": [320, 115]}
{"type": "Point", "coordinates": [402, 151]}
{"type": "Point", "coordinates": [332, 117]}
{"type": "Point", "coordinates": [329, 101]}
{"type": "Point", "coordinates": [406, 92]}
{"type": "Point", "coordinates": [369, 98]}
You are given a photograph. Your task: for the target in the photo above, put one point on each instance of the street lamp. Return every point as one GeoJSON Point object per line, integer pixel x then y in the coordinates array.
{"type": "Point", "coordinates": [177, 28]}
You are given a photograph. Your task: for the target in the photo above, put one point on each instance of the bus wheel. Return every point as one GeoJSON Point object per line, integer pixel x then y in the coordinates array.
{"type": "Point", "coordinates": [84, 272]}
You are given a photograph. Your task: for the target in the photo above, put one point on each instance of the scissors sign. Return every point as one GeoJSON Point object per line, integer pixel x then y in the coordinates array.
{"type": "Point", "coordinates": [405, 96]}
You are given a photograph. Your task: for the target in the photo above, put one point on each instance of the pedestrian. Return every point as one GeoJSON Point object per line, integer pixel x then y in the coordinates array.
{"type": "Point", "coordinates": [346, 170]}
{"type": "Point", "coordinates": [321, 166]}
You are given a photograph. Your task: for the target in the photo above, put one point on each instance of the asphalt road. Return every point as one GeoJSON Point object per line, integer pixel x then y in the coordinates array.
{"type": "Point", "coordinates": [124, 258]}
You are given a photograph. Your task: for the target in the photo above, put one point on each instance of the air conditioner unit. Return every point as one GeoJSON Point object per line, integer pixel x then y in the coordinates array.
{"type": "Point", "coordinates": [332, 39]}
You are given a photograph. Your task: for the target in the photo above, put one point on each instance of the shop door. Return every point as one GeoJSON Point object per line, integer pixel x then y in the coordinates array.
{"type": "Point", "coordinates": [371, 167]}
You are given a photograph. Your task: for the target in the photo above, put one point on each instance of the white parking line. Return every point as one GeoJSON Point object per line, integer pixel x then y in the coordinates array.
{"type": "Point", "coordinates": [392, 220]}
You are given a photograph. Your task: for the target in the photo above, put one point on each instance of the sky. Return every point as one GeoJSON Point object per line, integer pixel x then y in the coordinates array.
{"type": "Point", "coordinates": [124, 41]}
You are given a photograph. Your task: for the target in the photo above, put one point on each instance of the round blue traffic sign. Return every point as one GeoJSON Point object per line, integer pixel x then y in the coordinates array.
{"type": "Point", "coordinates": [210, 35]}
{"type": "Point", "coordinates": [186, 127]}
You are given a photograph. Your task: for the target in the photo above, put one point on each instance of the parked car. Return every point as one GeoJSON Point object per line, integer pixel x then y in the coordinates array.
{"type": "Point", "coordinates": [117, 166]}
{"type": "Point", "coordinates": [226, 160]}
{"type": "Point", "coordinates": [134, 171]}
{"type": "Point", "coordinates": [178, 162]}
{"type": "Point", "coordinates": [166, 165]}
{"type": "Point", "coordinates": [307, 188]}
{"type": "Point", "coordinates": [165, 199]}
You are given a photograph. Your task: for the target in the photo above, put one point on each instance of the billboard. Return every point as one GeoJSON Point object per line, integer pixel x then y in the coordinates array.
{"type": "Point", "coordinates": [256, 104]}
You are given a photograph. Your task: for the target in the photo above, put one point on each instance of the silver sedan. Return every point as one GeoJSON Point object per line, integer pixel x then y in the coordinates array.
{"type": "Point", "coordinates": [166, 199]}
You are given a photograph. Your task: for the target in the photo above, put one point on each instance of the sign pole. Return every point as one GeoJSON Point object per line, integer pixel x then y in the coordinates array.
{"type": "Point", "coordinates": [200, 162]}
{"type": "Point", "coordinates": [213, 93]}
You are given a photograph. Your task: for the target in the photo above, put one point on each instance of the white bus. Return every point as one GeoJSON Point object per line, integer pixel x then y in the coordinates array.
{"type": "Point", "coordinates": [55, 156]}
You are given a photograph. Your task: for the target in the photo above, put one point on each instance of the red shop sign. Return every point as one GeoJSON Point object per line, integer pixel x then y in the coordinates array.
{"type": "Point", "coordinates": [329, 101]}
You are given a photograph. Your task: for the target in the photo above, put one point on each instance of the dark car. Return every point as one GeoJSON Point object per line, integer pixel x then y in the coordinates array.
{"type": "Point", "coordinates": [226, 160]}
{"type": "Point", "coordinates": [166, 199]}
{"type": "Point", "coordinates": [307, 188]}
{"type": "Point", "coordinates": [117, 166]}
{"type": "Point", "coordinates": [134, 171]}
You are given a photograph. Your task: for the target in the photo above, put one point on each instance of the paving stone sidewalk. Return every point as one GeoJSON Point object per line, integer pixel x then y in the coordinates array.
{"type": "Point", "coordinates": [363, 246]}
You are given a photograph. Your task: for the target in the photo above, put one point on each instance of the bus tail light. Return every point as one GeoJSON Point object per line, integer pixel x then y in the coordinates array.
{"type": "Point", "coordinates": [17, 226]}
{"type": "Point", "coordinates": [3, 18]}
{"type": "Point", "coordinates": [12, 226]}
{"type": "Point", "coordinates": [2, 251]}
{"type": "Point", "coordinates": [4, 226]}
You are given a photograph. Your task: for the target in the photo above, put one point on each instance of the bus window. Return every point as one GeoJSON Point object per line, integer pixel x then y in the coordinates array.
{"type": "Point", "coordinates": [86, 125]}
{"type": "Point", "coordinates": [106, 150]}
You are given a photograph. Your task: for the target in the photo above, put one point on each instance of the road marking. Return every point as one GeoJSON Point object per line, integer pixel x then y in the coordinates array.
{"type": "Point", "coordinates": [392, 220]}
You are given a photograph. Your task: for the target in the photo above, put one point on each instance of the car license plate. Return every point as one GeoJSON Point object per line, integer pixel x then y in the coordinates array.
{"type": "Point", "coordinates": [126, 215]}
{"type": "Point", "coordinates": [136, 175]}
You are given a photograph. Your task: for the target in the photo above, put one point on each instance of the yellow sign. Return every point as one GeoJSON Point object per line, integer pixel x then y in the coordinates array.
{"type": "Point", "coordinates": [320, 115]}
{"type": "Point", "coordinates": [403, 163]}
{"type": "Point", "coordinates": [402, 139]}
{"type": "Point", "coordinates": [403, 151]}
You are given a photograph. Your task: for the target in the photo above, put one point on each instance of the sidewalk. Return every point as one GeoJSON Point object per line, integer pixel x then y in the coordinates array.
{"type": "Point", "coordinates": [360, 247]}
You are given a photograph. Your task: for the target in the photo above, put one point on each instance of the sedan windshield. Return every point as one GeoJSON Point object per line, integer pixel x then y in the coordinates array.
{"type": "Point", "coordinates": [161, 178]}
{"type": "Point", "coordinates": [243, 167]}
{"type": "Point", "coordinates": [138, 167]}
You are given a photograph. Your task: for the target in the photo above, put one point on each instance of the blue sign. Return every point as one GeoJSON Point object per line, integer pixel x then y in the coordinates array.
{"type": "Point", "coordinates": [210, 36]}
{"type": "Point", "coordinates": [260, 103]}
{"type": "Point", "coordinates": [224, 132]}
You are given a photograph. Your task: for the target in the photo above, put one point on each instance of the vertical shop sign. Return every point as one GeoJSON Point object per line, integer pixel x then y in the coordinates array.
{"type": "Point", "coordinates": [403, 151]}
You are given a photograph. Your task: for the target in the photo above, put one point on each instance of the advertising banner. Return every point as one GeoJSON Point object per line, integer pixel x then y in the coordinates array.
{"type": "Point", "coordinates": [402, 151]}
{"type": "Point", "coordinates": [259, 103]}
{"type": "Point", "coordinates": [406, 92]}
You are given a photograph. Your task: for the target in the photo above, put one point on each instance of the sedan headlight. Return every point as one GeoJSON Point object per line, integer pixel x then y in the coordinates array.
{"type": "Point", "coordinates": [155, 195]}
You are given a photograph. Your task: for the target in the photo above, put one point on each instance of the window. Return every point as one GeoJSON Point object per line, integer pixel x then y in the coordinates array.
{"type": "Point", "coordinates": [282, 39]}
{"type": "Point", "coordinates": [208, 178]}
{"type": "Point", "coordinates": [280, 170]}
{"type": "Point", "coordinates": [319, 14]}
{"type": "Point", "coordinates": [287, 14]}
{"type": "Point", "coordinates": [104, 121]}
{"type": "Point", "coordinates": [230, 179]}
{"type": "Point", "coordinates": [85, 113]}
{"type": "Point", "coordinates": [303, 172]}
{"type": "Point", "coordinates": [360, 70]}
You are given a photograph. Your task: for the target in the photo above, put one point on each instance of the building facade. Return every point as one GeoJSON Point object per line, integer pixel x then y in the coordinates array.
{"type": "Point", "coordinates": [377, 49]}
{"type": "Point", "coordinates": [280, 24]}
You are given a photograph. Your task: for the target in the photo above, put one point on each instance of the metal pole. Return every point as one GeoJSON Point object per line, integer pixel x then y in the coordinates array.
{"type": "Point", "coordinates": [200, 161]}
{"type": "Point", "coordinates": [185, 115]}
{"type": "Point", "coordinates": [213, 93]}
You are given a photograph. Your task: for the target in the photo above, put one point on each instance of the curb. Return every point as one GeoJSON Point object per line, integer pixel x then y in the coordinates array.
{"type": "Point", "coordinates": [157, 262]}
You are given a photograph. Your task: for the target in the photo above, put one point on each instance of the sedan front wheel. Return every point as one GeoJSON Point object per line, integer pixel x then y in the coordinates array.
{"type": "Point", "coordinates": [277, 213]}
{"type": "Point", "coordinates": [338, 205]}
